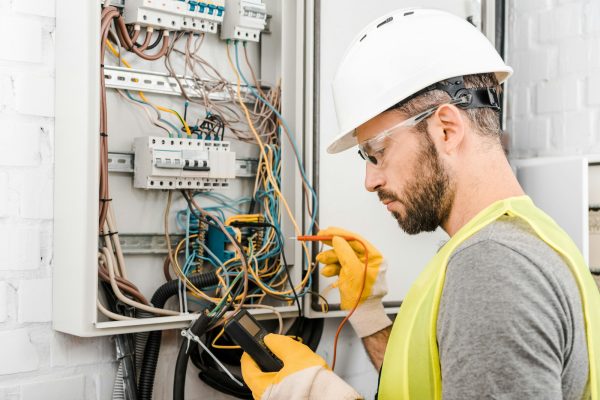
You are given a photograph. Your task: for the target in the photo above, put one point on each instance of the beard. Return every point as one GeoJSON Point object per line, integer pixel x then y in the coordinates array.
{"type": "Point", "coordinates": [427, 197]}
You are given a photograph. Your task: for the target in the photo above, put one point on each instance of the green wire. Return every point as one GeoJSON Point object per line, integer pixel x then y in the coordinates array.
{"type": "Point", "coordinates": [224, 299]}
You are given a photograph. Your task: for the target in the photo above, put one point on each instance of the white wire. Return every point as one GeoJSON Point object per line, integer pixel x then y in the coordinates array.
{"type": "Point", "coordinates": [154, 121]}
{"type": "Point", "coordinates": [109, 313]}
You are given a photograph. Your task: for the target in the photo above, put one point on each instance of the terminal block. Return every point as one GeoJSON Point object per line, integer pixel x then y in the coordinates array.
{"type": "Point", "coordinates": [178, 163]}
{"type": "Point", "coordinates": [175, 15]}
{"type": "Point", "coordinates": [245, 20]}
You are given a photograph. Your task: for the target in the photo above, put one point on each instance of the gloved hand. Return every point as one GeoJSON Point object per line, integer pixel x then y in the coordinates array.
{"type": "Point", "coordinates": [305, 375]}
{"type": "Point", "coordinates": [347, 261]}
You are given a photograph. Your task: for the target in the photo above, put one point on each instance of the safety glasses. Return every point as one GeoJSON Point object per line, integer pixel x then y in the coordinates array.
{"type": "Point", "coordinates": [372, 150]}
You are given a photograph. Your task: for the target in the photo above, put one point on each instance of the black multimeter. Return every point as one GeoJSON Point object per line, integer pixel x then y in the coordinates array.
{"type": "Point", "coordinates": [247, 333]}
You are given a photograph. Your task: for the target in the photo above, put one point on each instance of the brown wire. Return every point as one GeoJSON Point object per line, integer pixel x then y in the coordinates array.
{"type": "Point", "coordinates": [166, 267]}
{"type": "Point", "coordinates": [146, 43]}
{"type": "Point", "coordinates": [125, 286]}
{"type": "Point", "coordinates": [112, 244]}
{"type": "Point", "coordinates": [130, 45]}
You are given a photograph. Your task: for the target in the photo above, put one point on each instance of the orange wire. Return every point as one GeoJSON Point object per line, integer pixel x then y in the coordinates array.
{"type": "Point", "coordinates": [316, 238]}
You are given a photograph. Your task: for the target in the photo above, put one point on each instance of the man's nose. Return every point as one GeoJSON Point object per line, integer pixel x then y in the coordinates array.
{"type": "Point", "coordinates": [374, 178]}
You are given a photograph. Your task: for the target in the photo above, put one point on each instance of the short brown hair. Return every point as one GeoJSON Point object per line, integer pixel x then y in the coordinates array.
{"type": "Point", "coordinates": [485, 121]}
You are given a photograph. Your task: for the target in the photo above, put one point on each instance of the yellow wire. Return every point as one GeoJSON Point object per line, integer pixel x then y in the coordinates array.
{"type": "Point", "coordinates": [116, 54]}
{"type": "Point", "coordinates": [182, 276]}
{"type": "Point", "coordinates": [266, 159]}
{"type": "Point", "coordinates": [220, 346]}
{"type": "Point", "coordinates": [243, 218]}
{"type": "Point", "coordinates": [185, 125]}
{"type": "Point", "coordinates": [269, 173]}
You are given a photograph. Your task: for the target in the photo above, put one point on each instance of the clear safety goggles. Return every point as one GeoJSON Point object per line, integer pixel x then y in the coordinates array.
{"type": "Point", "coordinates": [372, 149]}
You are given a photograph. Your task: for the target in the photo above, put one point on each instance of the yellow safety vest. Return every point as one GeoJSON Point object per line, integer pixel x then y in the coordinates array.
{"type": "Point", "coordinates": [411, 366]}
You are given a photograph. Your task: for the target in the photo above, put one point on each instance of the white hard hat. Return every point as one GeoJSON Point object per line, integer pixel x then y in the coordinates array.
{"type": "Point", "coordinates": [400, 54]}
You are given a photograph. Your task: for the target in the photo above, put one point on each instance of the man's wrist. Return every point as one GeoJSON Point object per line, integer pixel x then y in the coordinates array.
{"type": "Point", "coordinates": [369, 317]}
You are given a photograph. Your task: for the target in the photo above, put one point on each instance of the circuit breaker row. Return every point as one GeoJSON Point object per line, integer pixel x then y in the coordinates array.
{"type": "Point", "coordinates": [181, 163]}
{"type": "Point", "coordinates": [240, 19]}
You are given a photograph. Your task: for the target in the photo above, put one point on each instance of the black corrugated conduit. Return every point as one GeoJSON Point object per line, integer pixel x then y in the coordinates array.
{"type": "Point", "coordinates": [152, 350]}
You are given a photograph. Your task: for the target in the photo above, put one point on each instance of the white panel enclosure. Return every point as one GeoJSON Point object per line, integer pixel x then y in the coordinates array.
{"type": "Point", "coordinates": [139, 211]}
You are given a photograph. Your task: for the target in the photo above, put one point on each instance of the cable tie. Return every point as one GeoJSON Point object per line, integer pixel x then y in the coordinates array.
{"type": "Point", "coordinates": [103, 134]}
{"type": "Point", "coordinates": [103, 199]}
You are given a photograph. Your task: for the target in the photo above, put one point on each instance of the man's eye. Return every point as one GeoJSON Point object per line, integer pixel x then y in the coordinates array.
{"type": "Point", "coordinates": [378, 153]}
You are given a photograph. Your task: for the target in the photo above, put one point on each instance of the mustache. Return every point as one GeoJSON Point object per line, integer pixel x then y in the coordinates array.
{"type": "Point", "coordinates": [385, 195]}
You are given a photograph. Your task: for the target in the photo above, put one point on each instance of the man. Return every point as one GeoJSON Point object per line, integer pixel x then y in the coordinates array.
{"type": "Point", "coordinates": [507, 308]}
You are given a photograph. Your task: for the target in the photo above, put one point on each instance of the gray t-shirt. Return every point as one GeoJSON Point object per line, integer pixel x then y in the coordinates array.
{"type": "Point", "coordinates": [510, 323]}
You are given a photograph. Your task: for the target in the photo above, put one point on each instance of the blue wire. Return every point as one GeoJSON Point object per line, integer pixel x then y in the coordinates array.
{"type": "Point", "coordinates": [159, 117]}
{"type": "Point", "coordinates": [291, 136]}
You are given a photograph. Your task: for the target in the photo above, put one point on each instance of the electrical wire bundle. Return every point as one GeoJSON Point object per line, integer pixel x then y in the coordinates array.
{"type": "Point", "coordinates": [252, 268]}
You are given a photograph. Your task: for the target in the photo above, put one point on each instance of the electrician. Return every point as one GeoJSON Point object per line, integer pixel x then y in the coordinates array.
{"type": "Point", "coordinates": [507, 308]}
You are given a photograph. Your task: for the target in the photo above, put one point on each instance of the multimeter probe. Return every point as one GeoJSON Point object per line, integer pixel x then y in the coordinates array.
{"type": "Point", "coordinates": [325, 238]}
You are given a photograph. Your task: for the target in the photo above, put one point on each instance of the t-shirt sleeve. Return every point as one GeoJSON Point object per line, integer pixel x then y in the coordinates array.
{"type": "Point", "coordinates": [502, 327]}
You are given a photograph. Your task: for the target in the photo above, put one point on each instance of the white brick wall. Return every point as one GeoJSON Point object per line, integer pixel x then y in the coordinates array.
{"type": "Point", "coordinates": [35, 362]}
{"type": "Point", "coordinates": [554, 95]}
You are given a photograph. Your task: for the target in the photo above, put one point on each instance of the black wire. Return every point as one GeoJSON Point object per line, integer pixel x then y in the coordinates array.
{"type": "Point", "coordinates": [153, 44]}
{"type": "Point", "coordinates": [285, 264]}
{"type": "Point", "coordinates": [219, 380]}
{"type": "Point", "coordinates": [279, 239]}
{"type": "Point", "coordinates": [239, 246]}
{"type": "Point", "coordinates": [156, 41]}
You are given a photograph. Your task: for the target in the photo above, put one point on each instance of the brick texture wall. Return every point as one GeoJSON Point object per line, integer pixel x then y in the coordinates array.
{"type": "Point", "coordinates": [35, 361]}
{"type": "Point", "coordinates": [554, 95]}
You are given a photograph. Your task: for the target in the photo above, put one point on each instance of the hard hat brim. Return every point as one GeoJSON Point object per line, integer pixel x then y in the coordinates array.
{"type": "Point", "coordinates": [347, 140]}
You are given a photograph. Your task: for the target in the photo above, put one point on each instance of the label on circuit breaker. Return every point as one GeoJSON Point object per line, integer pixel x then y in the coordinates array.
{"type": "Point", "coordinates": [178, 163]}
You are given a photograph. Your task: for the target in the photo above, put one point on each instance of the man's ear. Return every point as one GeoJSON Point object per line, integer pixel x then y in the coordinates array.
{"type": "Point", "coordinates": [449, 132]}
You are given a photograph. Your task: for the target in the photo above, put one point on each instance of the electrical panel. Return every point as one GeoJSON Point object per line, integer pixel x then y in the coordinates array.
{"type": "Point", "coordinates": [185, 171]}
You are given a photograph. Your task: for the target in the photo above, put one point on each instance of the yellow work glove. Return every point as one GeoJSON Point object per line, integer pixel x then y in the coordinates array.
{"type": "Point", "coordinates": [347, 261]}
{"type": "Point", "coordinates": [305, 375]}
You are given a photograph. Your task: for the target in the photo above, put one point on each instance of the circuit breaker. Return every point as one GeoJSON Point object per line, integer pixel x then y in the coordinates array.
{"type": "Point", "coordinates": [175, 15]}
{"type": "Point", "coordinates": [168, 163]}
{"type": "Point", "coordinates": [245, 20]}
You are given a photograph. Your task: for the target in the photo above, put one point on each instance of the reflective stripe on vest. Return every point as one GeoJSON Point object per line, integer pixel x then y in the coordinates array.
{"type": "Point", "coordinates": [411, 366]}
